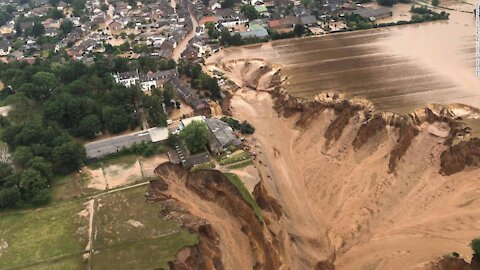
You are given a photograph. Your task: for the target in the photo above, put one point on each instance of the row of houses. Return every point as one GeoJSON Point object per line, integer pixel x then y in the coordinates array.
{"type": "Point", "coordinates": [146, 81]}
{"type": "Point", "coordinates": [158, 79]}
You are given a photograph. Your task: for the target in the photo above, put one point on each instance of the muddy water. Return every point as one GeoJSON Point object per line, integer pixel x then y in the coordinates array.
{"type": "Point", "coordinates": [398, 68]}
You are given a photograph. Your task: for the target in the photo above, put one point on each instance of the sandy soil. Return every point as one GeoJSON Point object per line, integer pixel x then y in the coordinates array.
{"type": "Point", "coordinates": [4, 110]}
{"type": "Point", "coordinates": [120, 175]}
{"type": "Point", "coordinates": [89, 212]}
{"type": "Point", "coordinates": [149, 164]}
{"type": "Point", "coordinates": [344, 201]}
{"type": "Point", "coordinates": [184, 109]}
{"type": "Point", "coordinates": [97, 178]}
{"type": "Point", "coordinates": [117, 175]}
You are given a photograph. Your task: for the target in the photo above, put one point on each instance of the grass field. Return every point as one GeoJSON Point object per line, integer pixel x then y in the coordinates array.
{"type": "Point", "coordinates": [237, 182]}
{"type": "Point", "coordinates": [235, 158]}
{"type": "Point", "coordinates": [241, 164]}
{"type": "Point", "coordinates": [37, 237]}
{"type": "Point", "coordinates": [203, 166]}
{"type": "Point", "coordinates": [129, 234]}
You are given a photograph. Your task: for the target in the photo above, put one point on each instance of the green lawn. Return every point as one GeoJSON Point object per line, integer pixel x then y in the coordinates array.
{"type": "Point", "coordinates": [237, 182]}
{"type": "Point", "coordinates": [67, 187]}
{"type": "Point", "coordinates": [235, 158]}
{"type": "Point", "coordinates": [240, 165]}
{"type": "Point", "coordinates": [145, 254]}
{"type": "Point", "coordinates": [131, 235]}
{"type": "Point", "coordinates": [41, 235]}
{"type": "Point", "coordinates": [203, 166]}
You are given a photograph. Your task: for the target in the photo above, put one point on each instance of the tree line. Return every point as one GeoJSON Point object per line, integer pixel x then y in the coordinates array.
{"type": "Point", "coordinates": [57, 104]}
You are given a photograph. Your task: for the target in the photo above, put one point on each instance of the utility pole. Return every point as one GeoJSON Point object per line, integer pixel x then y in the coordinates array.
{"type": "Point", "coordinates": [477, 38]}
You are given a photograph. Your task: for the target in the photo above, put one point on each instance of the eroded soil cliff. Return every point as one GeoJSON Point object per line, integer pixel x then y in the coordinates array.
{"type": "Point", "coordinates": [343, 186]}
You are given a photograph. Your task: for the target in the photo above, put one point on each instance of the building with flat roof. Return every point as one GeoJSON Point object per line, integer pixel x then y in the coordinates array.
{"type": "Point", "coordinates": [188, 121]}
{"type": "Point", "coordinates": [374, 14]}
{"type": "Point", "coordinates": [100, 148]}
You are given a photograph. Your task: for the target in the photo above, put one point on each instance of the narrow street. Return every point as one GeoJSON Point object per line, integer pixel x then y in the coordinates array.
{"type": "Point", "coordinates": [177, 52]}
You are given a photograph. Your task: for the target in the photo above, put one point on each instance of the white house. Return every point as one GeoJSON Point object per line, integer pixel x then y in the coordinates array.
{"type": "Point", "coordinates": [128, 78]}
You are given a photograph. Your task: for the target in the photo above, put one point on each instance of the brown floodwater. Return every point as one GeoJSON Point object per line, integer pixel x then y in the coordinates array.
{"type": "Point", "coordinates": [397, 68]}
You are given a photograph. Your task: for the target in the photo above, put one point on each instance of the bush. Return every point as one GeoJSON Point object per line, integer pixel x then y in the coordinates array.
{"type": "Point", "coordinates": [475, 245]}
{"type": "Point", "coordinates": [244, 127]}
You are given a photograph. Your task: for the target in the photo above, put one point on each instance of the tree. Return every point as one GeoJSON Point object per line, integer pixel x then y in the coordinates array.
{"type": "Point", "coordinates": [18, 29]}
{"type": "Point", "coordinates": [168, 94]}
{"type": "Point", "coordinates": [246, 128]}
{"type": "Point", "coordinates": [154, 110]}
{"type": "Point", "coordinates": [299, 30]}
{"type": "Point", "coordinates": [31, 183]}
{"type": "Point", "coordinates": [68, 157]}
{"type": "Point", "coordinates": [9, 197]}
{"type": "Point", "coordinates": [435, 3]}
{"type": "Point", "coordinates": [41, 165]}
{"type": "Point", "coordinates": [116, 120]}
{"type": "Point", "coordinates": [228, 3]}
{"type": "Point", "coordinates": [22, 155]}
{"type": "Point", "coordinates": [206, 2]}
{"type": "Point", "coordinates": [475, 245]}
{"type": "Point", "coordinates": [195, 136]}
{"type": "Point", "coordinates": [249, 11]}
{"type": "Point", "coordinates": [43, 82]}
{"type": "Point", "coordinates": [388, 3]}
{"type": "Point", "coordinates": [212, 31]}
{"type": "Point", "coordinates": [90, 126]}
{"type": "Point", "coordinates": [54, 14]}
{"type": "Point", "coordinates": [66, 27]}
{"type": "Point", "coordinates": [24, 109]}
{"type": "Point", "coordinates": [38, 29]}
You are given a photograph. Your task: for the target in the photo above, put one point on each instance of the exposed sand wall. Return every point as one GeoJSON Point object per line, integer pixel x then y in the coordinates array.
{"type": "Point", "coordinates": [360, 187]}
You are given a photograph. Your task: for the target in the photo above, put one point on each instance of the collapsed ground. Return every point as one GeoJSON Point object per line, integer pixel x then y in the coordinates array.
{"type": "Point", "coordinates": [343, 186]}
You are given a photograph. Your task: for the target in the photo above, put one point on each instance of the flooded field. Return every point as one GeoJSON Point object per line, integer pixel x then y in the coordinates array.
{"type": "Point", "coordinates": [398, 68]}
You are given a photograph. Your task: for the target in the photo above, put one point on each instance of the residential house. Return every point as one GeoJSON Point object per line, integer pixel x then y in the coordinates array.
{"type": "Point", "coordinates": [153, 80]}
{"type": "Point", "coordinates": [259, 33]}
{"type": "Point", "coordinates": [221, 136]}
{"type": "Point", "coordinates": [26, 25]}
{"type": "Point", "coordinates": [215, 5]}
{"type": "Point", "coordinates": [5, 47]}
{"type": "Point", "coordinates": [207, 19]}
{"type": "Point", "coordinates": [308, 20]}
{"type": "Point", "coordinates": [261, 9]}
{"type": "Point", "coordinates": [51, 32]}
{"type": "Point", "coordinates": [289, 21]}
{"type": "Point", "coordinates": [227, 17]}
{"type": "Point", "coordinates": [114, 25]}
{"type": "Point", "coordinates": [128, 78]}
{"type": "Point", "coordinates": [188, 95]}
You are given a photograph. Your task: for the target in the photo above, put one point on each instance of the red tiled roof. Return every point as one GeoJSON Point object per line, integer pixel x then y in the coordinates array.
{"type": "Point", "coordinates": [207, 19]}
{"type": "Point", "coordinates": [274, 24]}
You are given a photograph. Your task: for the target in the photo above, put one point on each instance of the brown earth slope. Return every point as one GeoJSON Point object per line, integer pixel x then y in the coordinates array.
{"type": "Point", "coordinates": [365, 188]}
{"type": "Point", "coordinates": [342, 186]}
